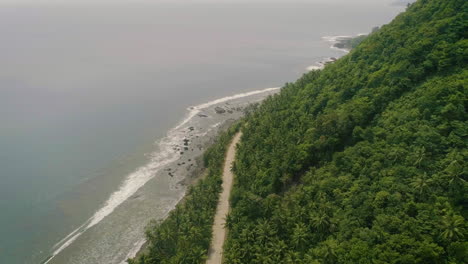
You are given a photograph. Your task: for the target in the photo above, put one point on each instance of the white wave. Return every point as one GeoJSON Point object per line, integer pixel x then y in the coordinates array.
{"type": "Point", "coordinates": [69, 235]}
{"type": "Point", "coordinates": [64, 245]}
{"type": "Point", "coordinates": [136, 247]}
{"type": "Point", "coordinates": [315, 67]}
{"type": "Point", "coordinates": [335, 39]}
{"type": "Point", "coordinates": [340, 49]}
{"type": "Point", "coordinates": [194, 110]}
{"type": "Point", "coordinates": [320, 65]}
{"type": "Point", "coordinates": [142, 175]}
{"type": "Point", "coordinates": [139, 244]}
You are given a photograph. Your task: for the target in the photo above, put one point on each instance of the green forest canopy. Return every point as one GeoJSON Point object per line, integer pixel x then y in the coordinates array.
{"type": "Point", "coordinates": [362, 162]}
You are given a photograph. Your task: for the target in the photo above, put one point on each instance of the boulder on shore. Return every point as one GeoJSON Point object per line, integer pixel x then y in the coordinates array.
{"type": "Point", "coordinates": [219, 110]}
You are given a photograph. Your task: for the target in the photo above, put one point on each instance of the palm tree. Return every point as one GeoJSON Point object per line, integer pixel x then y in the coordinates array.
{"type": "Point", "coordinates": [453, 227]}
{"type": "Point", "coordinates": [327, 253]}
{"type": "Point", "coordinates": [420, 156]}
{"type": "Point", "coordinates": [421, 183]}
{"type": "Point", "coordinates": [321, 222]}
{"type": "Point", "coordinates": [299, 236]}
{"type": "Point", "coordinates": [455, 174]}
{"type": "Point", "coordinates": [264, 231]}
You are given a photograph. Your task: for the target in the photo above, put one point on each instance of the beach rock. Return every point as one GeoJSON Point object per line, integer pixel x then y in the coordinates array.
{"type": "Point", "coordinates": [219, 110]}
{"type": "Point", "coordinates": [181, 153]}
{"type": "Point", "coordinates": [339, 45]}
{"type": "Point", "coordinates": [230, 111]}
{"type": "Point", "coordinates": [135, 196]}
{"type": "Point", "coordinates": [186, 148]}
{"type": "Point", "coordinates": [191, 128]}
{"type": "Point", "coordinates": [202, 115]}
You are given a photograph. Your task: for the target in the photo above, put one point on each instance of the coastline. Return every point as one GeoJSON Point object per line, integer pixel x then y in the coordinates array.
{"type": "Point", "coordinates": [199, 172]}
{"type": "Point", "coordinates": [175, 147]}
{"type": "Point", "coordinates": [341, 43]}
{"type": "Point", "coordinates": [191, 179]}
{"type": "Point", "coordinates": [177, 160]}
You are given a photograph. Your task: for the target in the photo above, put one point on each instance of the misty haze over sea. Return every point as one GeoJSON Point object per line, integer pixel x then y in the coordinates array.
{"type": "Point", "coordinates": [87, 89]}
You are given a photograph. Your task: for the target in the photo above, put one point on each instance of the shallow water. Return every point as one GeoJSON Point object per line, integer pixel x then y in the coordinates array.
{"type": "Point", "coordinates": [87, 93]}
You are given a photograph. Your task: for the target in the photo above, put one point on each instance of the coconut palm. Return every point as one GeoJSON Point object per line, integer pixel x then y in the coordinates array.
{"type": "Point", "coordinates": [452, 227]}
{"type": "Point", "coordinates": [421, 183]}
{"type": "Point", "coordinates": [455, 173]}
{"type": "Point", "coordinates": [321, 222]}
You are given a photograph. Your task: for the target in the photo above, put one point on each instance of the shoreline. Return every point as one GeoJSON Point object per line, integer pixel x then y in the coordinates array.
{"type": "Point", "coordinates": [194, 172]}
{"type": "Point", "coordinates": [199, 169]}
{"type": "Point", "coordinates": [178, 158]}
{"type": "Point", "coordinates": [191, 179]}
{"type": "Point", "coordinates": [340, 43]}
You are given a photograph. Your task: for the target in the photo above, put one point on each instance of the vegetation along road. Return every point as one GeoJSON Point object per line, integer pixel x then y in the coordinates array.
{"type": "Point", "coordinates": [215, 254]}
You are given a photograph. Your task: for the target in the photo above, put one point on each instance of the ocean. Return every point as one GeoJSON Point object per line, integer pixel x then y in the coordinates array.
{"type": "Point", "coordinates": [96, 101]}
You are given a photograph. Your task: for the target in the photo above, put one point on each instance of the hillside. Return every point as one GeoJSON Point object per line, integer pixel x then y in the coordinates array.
{"type": "Point", "coordinates": [364, 161]}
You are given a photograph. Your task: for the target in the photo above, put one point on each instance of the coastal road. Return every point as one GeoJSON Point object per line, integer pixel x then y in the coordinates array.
{"type": "Point", "coordinates": [215, 253]}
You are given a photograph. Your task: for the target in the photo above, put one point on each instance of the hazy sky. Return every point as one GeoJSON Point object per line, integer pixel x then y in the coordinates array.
{"type": "Point", "coordinates": [185, 1]}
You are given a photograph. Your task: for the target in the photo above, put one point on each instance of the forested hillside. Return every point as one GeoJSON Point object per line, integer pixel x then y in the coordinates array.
{"type": "Point", "coordinates": [185, 235]}
{"type": "Point", "coordinates": [366, 160]}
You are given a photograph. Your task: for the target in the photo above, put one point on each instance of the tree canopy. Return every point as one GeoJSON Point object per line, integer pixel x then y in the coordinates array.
{"type": "Point", "coordinates": [185, 235]}
{"type": "Point", "coordinates": [366, 160]}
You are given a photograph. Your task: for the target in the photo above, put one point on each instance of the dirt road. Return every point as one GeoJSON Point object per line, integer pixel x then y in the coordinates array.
{"type": "Point", "coordinates": [215, 253]}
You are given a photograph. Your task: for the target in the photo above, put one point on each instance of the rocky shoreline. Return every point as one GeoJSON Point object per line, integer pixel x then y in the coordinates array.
{"type": "Point", "coordinates": [196, 138]}
{"type": "Point", "coordinates": [342, 43]}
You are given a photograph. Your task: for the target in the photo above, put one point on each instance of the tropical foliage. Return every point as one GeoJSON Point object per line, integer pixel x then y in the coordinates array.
{"type": "Point", "coordinates": [366, 160]}
{"type": "Point", "coordinates": [362, 162]}
{"type": "Point", "coordinates": [185, 235]}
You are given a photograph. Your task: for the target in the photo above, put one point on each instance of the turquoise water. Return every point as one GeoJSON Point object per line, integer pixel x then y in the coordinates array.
{"type": "Point", "coordinates": [86, 91]}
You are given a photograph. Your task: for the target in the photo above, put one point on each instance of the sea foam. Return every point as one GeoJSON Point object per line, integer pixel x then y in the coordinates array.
{"type": "Point", "coordinates": [134, 181]}
{"type": "Point", "coordinates": [336, 39]}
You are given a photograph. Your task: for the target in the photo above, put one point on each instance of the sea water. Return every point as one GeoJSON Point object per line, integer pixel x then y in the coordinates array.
{"type": "Point", "coordinates": [96, 100]}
